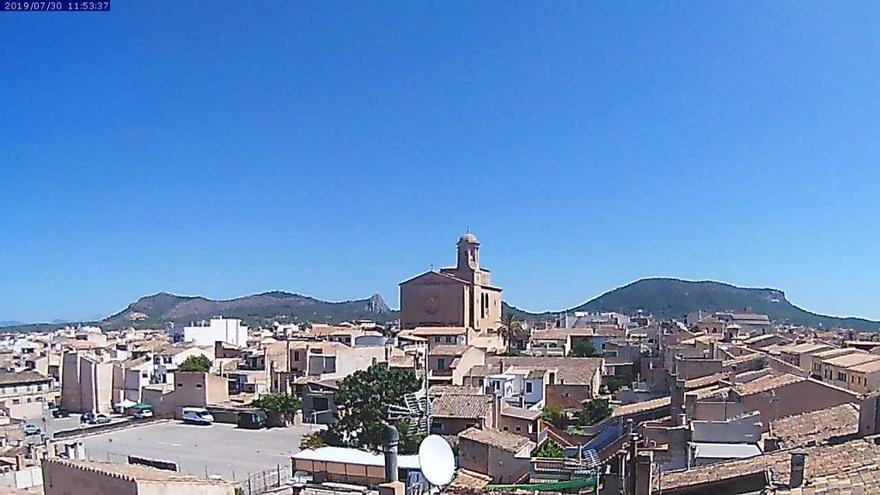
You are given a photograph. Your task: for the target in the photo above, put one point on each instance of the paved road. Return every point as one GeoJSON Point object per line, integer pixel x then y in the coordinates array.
{"type": "Point", "coordinates": [50, 425]}
{"type": "Point", "coordinates": [219, 449]}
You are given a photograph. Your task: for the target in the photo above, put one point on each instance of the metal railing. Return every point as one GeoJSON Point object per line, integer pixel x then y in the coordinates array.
{"type": "Point", "coordinates": [264, 481]}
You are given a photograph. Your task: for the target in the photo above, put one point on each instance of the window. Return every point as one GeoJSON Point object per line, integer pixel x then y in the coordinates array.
{"type": "Point", "coordinates": [296, 355]}
{"type": "Point", "coordinates": [528, 387]}
{"type": "Point", "coordinates": [518, 429]}
{"type": "Point", "coordinates": [198, 385]}
{"type": "Point", "coordinates": [441, 363]}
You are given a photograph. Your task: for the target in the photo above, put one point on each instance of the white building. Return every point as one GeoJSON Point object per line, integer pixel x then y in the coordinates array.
{"type": "Point", "coordinates": [205, 333]}
{"type": "Point", "coordinates": [518, 387]}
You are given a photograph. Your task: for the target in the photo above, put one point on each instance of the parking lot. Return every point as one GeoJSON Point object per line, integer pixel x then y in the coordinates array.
{"type": "Point", "coordinates": [219, 449]}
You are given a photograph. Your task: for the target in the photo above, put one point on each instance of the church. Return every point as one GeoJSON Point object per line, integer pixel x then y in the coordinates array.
{"type": "Point", "coordinates": [460, 296]}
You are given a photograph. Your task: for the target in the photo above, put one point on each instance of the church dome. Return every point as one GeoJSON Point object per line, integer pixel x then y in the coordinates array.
{"type": "Point", "coordinates": [469, 239]}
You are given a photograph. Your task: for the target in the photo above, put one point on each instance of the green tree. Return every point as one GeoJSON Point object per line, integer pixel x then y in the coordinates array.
{"type": "Point", "coordinates": [312, 441]}
{"type": "Point", "coordinates": [198, 364]}
{"type": "Point", "coordinates": [363, 398]}
{"type": "Point", "coordinates": [555, 415]}
{"type": "Point", "coordinates": [585, 348]}
{"type": "Point", "coordinates": [512, 331]}
{"type": "Point", "coordinates": [283, 406]}
{"type": "Point", "coordinates": [409, 444]}
{"type": "Point", "coordinates": [593, 412]}
{"type": "Point", "coordinates": [550, 449]}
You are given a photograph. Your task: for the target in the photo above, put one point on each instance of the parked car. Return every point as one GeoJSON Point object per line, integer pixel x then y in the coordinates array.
{"type": "Point", "coordinates": [60, 413]}
{"type": "Point", "coordinates": [94, 419]}
{"type": "Point", "coordinates": [252, 420]}
{"type": "Point", "coordinates": [197, 416]}
{"type": "Point", "coordinates": [31, 429]}
{"type": "Point", "coordinates": [143, 414]}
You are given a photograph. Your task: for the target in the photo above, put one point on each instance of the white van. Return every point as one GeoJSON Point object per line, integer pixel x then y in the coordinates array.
{"type": "Point", "coordinates": [197, 416]}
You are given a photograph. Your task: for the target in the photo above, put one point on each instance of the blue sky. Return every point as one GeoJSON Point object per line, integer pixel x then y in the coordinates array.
{"type": "Point", "coordinates": [336, 149]}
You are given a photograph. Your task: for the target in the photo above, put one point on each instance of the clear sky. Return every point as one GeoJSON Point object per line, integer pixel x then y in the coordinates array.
{"type": "Point", "coordinates": [337, 148]}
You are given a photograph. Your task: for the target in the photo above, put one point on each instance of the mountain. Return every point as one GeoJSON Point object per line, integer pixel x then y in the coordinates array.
{"type": "Point", "coordinates": [674, 298]}
{"type": "Point", "coordinates": [162, 308]}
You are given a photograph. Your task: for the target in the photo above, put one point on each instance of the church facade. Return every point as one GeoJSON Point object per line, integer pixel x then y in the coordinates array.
{"type": "Point", "coordinates": [460, 296]}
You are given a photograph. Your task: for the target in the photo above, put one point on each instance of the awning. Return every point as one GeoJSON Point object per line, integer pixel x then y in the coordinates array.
{"type": "Point", "coordinates": [125, 404]}
{"type": "Point", "coordinates": [140, 406]}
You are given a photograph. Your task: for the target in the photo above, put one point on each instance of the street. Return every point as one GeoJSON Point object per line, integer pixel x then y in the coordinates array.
{"type": "Point", "coordinates": [219, 449]}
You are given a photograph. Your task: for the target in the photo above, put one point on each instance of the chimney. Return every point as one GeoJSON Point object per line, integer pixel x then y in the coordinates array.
{"type": "Point", "coordinates": [19, 462]}
{"type": "Point", "coordinates": [868, 420]}
{"type": "Point", "coordinates": [644, 460]}
{"type": "Point", "coordinates": [798, 462]}
{"type": "Point", "coordinates": [496, 410]}
{"type": "Point", "coordinates": [690, 404]}
{"type": "Point", "coordinates": [771, 444]}
{"type": "Point", "coordinates": [676, 397]}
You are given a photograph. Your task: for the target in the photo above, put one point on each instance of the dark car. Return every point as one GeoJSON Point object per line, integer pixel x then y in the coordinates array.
{"type": "Point", "coordinates": [60, 413]}
{"type": "Point", "coordinates": [94, 419]}
{"type": "Point", "coordinates": [252, 420]}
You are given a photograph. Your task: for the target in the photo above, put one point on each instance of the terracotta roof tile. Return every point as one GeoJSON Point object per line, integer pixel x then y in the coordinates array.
{"type": "Point", "coordinates": [816, 426]}
{"type": "Point", "coordinates": [496, 438]}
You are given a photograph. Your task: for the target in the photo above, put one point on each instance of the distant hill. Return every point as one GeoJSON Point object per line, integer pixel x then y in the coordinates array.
{"type": "Point", "coordinates": [159, 309]}
{"type": "Point", "coordinates": [673, 298]}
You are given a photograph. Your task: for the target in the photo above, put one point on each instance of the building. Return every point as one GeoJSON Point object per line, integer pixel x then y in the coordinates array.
{"type": "Point", "coordinates": [461, 296]}
{"type": "Point", "coordinates": [189, 389]}
{"type": "Point", "coordinates": [205, 333]}
{"type": "Point", "coordinates": [504, 456]}
{"type": "Point", "coordinates": [86, 383]}
{"type": "Point", "coordinates": [350, 466]}
{"type": "Point", "coordinates": [23, 395]}
{"type": "Point", "coordinates": [69, 477]}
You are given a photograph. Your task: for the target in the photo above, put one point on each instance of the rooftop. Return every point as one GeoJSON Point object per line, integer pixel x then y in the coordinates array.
{"type": "Point", "coordinates": [521, 412]}
{"type": "Point", "coordinates": [134, 472]}
{"type": "Point", "coordinates": [454, 350]}
{"type": "Point", "coordinates": [461, 406]}
{"type": "Point", "coordinates": [354, 456]}
{"type": "Point", "coordinates": [640, 407]}
{"type": "Point", "coordinates": [766, 383]}
{"type": "Point", "coordinates": [427, 331]}
{"type": "Point", "coordinates": [454, 390]}
{"type": "Point", "coordinates": [816, 426]}
{"type": "Point", "coordinates": [569, 370]}
{"type": "Point", "coordinates": [805, 348]}
{"type": "Point", "coordinates": [9, 378]}
{"type": "Point", "coordinates": [848, 467]}
{"type": "Point", "coordinates": [851, 360]}
{"type": "Point", "coordinates": [496, 438]}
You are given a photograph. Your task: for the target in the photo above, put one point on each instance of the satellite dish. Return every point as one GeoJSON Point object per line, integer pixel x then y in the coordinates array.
{"type": "Point", "coordinates": [436, 460]}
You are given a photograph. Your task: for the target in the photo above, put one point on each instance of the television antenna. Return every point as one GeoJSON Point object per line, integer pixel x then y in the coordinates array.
{"type": "Point", "coordinates": [436, 460]}
{"type": "Point", "coordinates": [414, 409]}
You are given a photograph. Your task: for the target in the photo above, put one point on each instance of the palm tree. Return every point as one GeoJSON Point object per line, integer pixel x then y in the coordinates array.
{"type": "Point", "coordinates": [511, 329]}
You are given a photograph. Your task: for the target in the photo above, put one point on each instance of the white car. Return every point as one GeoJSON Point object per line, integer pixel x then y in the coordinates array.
{"type": "Point", "coordinates": [197, 416]}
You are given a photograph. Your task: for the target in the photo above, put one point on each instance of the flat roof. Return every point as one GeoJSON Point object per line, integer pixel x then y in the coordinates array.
{"type": "Point", "coordinates": [725, 450]}
{"type": "Point", "coordinates": [354, 456]}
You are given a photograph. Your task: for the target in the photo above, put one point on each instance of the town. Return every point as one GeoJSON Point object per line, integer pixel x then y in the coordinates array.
{"type": "Point", "coordinates": [714, 402]}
